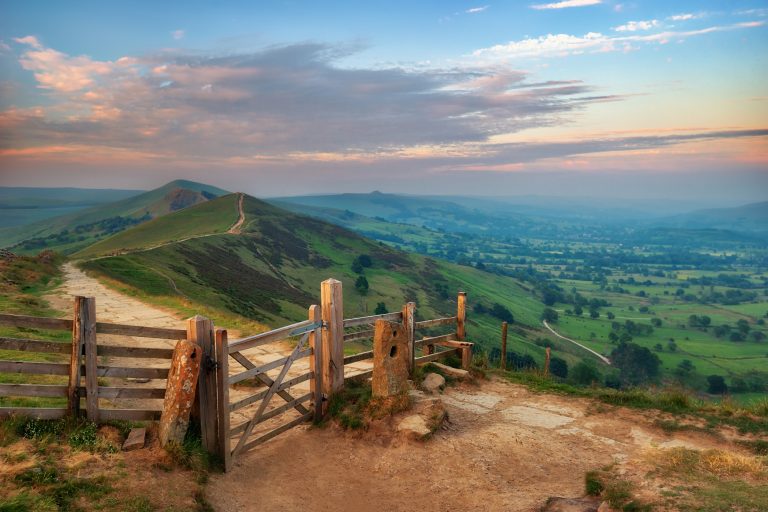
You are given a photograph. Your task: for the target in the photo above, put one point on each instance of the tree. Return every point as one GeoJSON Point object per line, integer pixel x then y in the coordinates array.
{"type": "Point", "coordinates": [717, 385]}
{"type": "Point", "coordinates": [656, 322]}
{"type": "Point", "coordinates": [637, 364]}
{"type": "Point", "coordinates": [610, 315]}
{"type": "Point", "coordinates": [549, 315]}
{"type": "Point", "coordinates": [593, 313]}
{"type": "Point", "coordinates": [578, 310]}
{"type": "Point", "coordinates": [357, 268]}
{"type": "Point", "coordinates": [672, 346]}
{"type": "Point", "coordinates": [381, 309]}
{"type": "Point", "coordinates": [585, 374]}
{"type": "Point", "coordinates": [502, 313]}
{"type": "Point", "coordinates": [558, 367]}
{"type": "Point", "coordinates": [361, 285]}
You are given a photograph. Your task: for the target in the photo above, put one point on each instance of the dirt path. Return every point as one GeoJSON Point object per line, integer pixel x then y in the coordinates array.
{"type": "Point", "coordinates": [505, 449]}
{"type": "Point", "coordinates": [599, 356]}
{"type": "Point", "coordinates": [237, 226]}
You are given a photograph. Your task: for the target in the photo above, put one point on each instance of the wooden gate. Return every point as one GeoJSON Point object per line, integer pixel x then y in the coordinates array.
{"type": "Point", "coordinates": [246, 421]}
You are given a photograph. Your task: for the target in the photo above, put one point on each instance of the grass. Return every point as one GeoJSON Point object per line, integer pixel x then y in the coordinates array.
{"type": "Point", "coordinates": [617, 492]}
{"type": "Point", "coordinates": [355, 406]}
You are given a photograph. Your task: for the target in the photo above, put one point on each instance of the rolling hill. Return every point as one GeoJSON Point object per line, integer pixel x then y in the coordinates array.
{"type": "Point", "coordinates": [271, 270]}
{"type": "Point", "coordinates": [72, 232]}
{"type": "Point", "coordinates": [750, 218]}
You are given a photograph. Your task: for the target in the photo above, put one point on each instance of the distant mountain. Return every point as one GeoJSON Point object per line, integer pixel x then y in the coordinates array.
{"type": "Point", "coordinates": [750, 218]}
{"type": "Point", "coordinates": [271, 267]}
{"type": "Point", "coordinates": [24, 205]}
{"type": "Point", "coordinates": [74, 231]}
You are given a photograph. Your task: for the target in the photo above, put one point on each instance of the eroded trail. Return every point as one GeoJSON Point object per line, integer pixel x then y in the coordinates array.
{"type": "Point", "coordinates": [238, 225]}
{"type": "Point", "coordinates": [505, 449]}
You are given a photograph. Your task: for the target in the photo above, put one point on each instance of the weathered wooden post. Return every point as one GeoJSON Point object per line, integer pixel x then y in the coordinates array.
{"type": "Point", "coordinates": [78, 322]}
{"type": "Point", "coordinates": [221, 350]}
{"type": "Point", "coordinates": [180, 392]}
{"type": "Point", "coordinates": [200, 332]}
{"type": "Point", "coordinates": [547, 355]}
{"type": "Point", "coordinates": [410, 332]}
{"type": "Point", "coordinates": [503, 345]}
{"type": "Point", "coordinates": [332, 310]}
{"type": "Point", "coordinates": [316, 362]}
{"type": "Point", "coordinates": [461, 316]}
{"type": "Point", "coordinates": [84, 341]}
{"type": "Point", "coordinates": [390, 359]}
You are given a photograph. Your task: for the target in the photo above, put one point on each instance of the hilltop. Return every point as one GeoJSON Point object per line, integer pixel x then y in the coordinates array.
{"type": "Point", "coordinates": [269, 269]}
{"type": "Point", "coordinates": [74, 231]}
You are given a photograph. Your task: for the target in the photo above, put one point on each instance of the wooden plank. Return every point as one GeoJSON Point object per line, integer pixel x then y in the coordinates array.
{"type": "Point", "coordinates": [129, 414]}
{"type": "Point", "coordinates": [273, 412]}
{"type": "Point", "coordinates": [260, 370]}
{"type": "Point", "coordinates": [43, 413]}
{"type": "Point", "coordinates": [87, 323]}
{"type": "Point", "coordinates": [263, 377]}
{"type": "Point", "coordinates": [122, 371]}
{"type": "Point", "coordinates": [272, 390]}
{"type": "Point", "coordinates": [200, 331]}
{"type": "Point", "coordinates": [409, 310]}
{"type": "Point", "coordinates": [461, 316]}
{"type": "Point", "coordinates": [361, 375]}
{"type": "Point", "coordinates": [260, 395]}
{"type": "Point", "coordinates": [75, 357]}
{"type": "Point", "coordinates": [42, 390]}
{"type": "Point", "coordinates": [362, 356]}
{"type": "Point", "coordinates": [34, 368]}
{"type": "Point", "coordinates": [370, 320]}
{"type": "Point", "coordinates": [138, 352]}
{"type": "Point", "coordinates": [434, 340]}
{"type": "Point", "coordinates": [278, 431]}
{"type": "Point", "coordinates": [141, 331]}
{"type": "Point", "coordinates": [23, 345]}
{"type": "Point", "coordinates": [118, 392]}
{"type": "Point", "coordinates": [360, 335]}
{"type": "Point", "coordinates": [316, 363]}
{"type": "Point", "coordinates": [454, 344]}
{"type": "Point", "coordinates": [435, 322]}
{"type": "Point", "coordinates": [35, 322]}
{"type": "Point", "coordinates": [435, 356]}
{"type": "Point", "coordinates": [222, 396]}
{"type": "Point", "coordinates": [271, 336]}
{"type": "Point", "coordinates": [332, 309]}
{"type": "Point", "coordinates": [504, 328]}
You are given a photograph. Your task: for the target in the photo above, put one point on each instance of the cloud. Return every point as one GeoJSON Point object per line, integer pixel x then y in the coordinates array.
{"type": "Point", "coordinates": [281, 100]}
{"type": "Point", "coordinates": [28, 40]}
{"type": "Point", "coordinates": [560, 45]}
{"type": "Point", "coordinates": [178, 34]}
{"type": "Point", "coordinates": [683, 17]}
{"type": "Point", "coordinates": [566, 3]}
{"type": "Point", "coordinates": [634, 26]}
{"type": "Point", "coordinates": [475, 10]}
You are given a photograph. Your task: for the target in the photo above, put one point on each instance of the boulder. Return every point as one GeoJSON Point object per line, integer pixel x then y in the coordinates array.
{"type": "Point", "coordinates": [135, 439]}
{"type": "Point", "coordinates": [433, 382]}
{"type": "Point", "coordinates": [414, 427]}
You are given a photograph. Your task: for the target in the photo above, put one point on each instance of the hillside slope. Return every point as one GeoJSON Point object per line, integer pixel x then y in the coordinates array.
{"type": "Point", "coordinates": [71, 232]}
{"type": "Point", "coordinates": [271, 271]}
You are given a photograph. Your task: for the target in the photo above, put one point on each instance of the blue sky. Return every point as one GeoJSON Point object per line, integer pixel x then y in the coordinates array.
{"type": "Point", "coordinates": [484, 98]}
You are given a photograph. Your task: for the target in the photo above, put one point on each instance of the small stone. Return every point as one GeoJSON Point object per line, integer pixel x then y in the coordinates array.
{"type": "Point", "coordinates": [456, 373]}
{"type": "Point", "coordinates": [135, 439]}
{"type": "Point", "coordinates": [432, 383]}
{"type": "Point", "coordinates": [414, 427]}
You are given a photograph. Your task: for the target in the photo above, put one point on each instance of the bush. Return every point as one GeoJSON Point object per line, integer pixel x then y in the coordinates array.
{"type": "Point", "coordinates": [717, 385]}
{"type": "Point", "coordinates": [558, 367]}
{"type": "Point", "coordinates": [585, 374]}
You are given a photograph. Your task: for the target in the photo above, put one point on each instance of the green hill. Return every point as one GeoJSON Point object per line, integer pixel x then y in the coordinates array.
{"type": "Point", "coordinates": [271, 271]}
{"type": "Point", "coordinates": [72, 232]}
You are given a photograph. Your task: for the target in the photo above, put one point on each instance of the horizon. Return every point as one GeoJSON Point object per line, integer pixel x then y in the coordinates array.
{"type": "Point", "coordinates": [590, 99]}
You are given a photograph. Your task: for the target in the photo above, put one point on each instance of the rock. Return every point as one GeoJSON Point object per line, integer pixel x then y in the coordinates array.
{"type": "Point", "coordinates": [556, 504]}
{"type": "Point", "coordinates": [456, 373]}
{"type": "Point", "coordinates": [135, 439]}
{"type": "Point", "coordinates": [390, 359]}
{"type": "Point", "coordinates": [180, 392]}
{"type": "Point", "coordinates": [414, 427]}
{"type": "Point", "coordinates": [432, 383]}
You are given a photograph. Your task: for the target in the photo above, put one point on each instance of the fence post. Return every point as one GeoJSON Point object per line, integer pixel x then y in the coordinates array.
{"type": "Point", "coordinates": [547, 356]}
{"type": "Point", "coordinates": [316, 363]}
{"type": "Point", "coordinates": [200, 331]}
{"type": "Point", "coordinates": [332, 310]}
{"type": "Point", "coordinates": [180, 392]}
{"type": "Point", "coordinates": [86, 329]}
{"type": "Point", "coordinates": [221, 350]}
{"type": "Point", "coordinates": [79, 324]}
{"type": "Point", "coordinates": [503, 345]}
{"type": "Point", "coordinates": [461, 316]}
{"type": "Point", "coordinates": [410, 333]}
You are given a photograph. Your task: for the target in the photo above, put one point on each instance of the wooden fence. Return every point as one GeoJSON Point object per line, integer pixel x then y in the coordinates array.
{"type": "Point", "coordinates": [321, 338]}
{"type": "Point", "coordinates": [84, 352]}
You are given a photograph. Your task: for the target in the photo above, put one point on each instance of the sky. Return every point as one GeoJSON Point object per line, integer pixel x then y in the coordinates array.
{"type": "Point", "coordinates": [594, 98]}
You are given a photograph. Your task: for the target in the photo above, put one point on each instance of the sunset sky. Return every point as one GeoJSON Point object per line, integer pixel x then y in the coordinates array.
{"type": "Point", "coordinates": [576, 97]}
